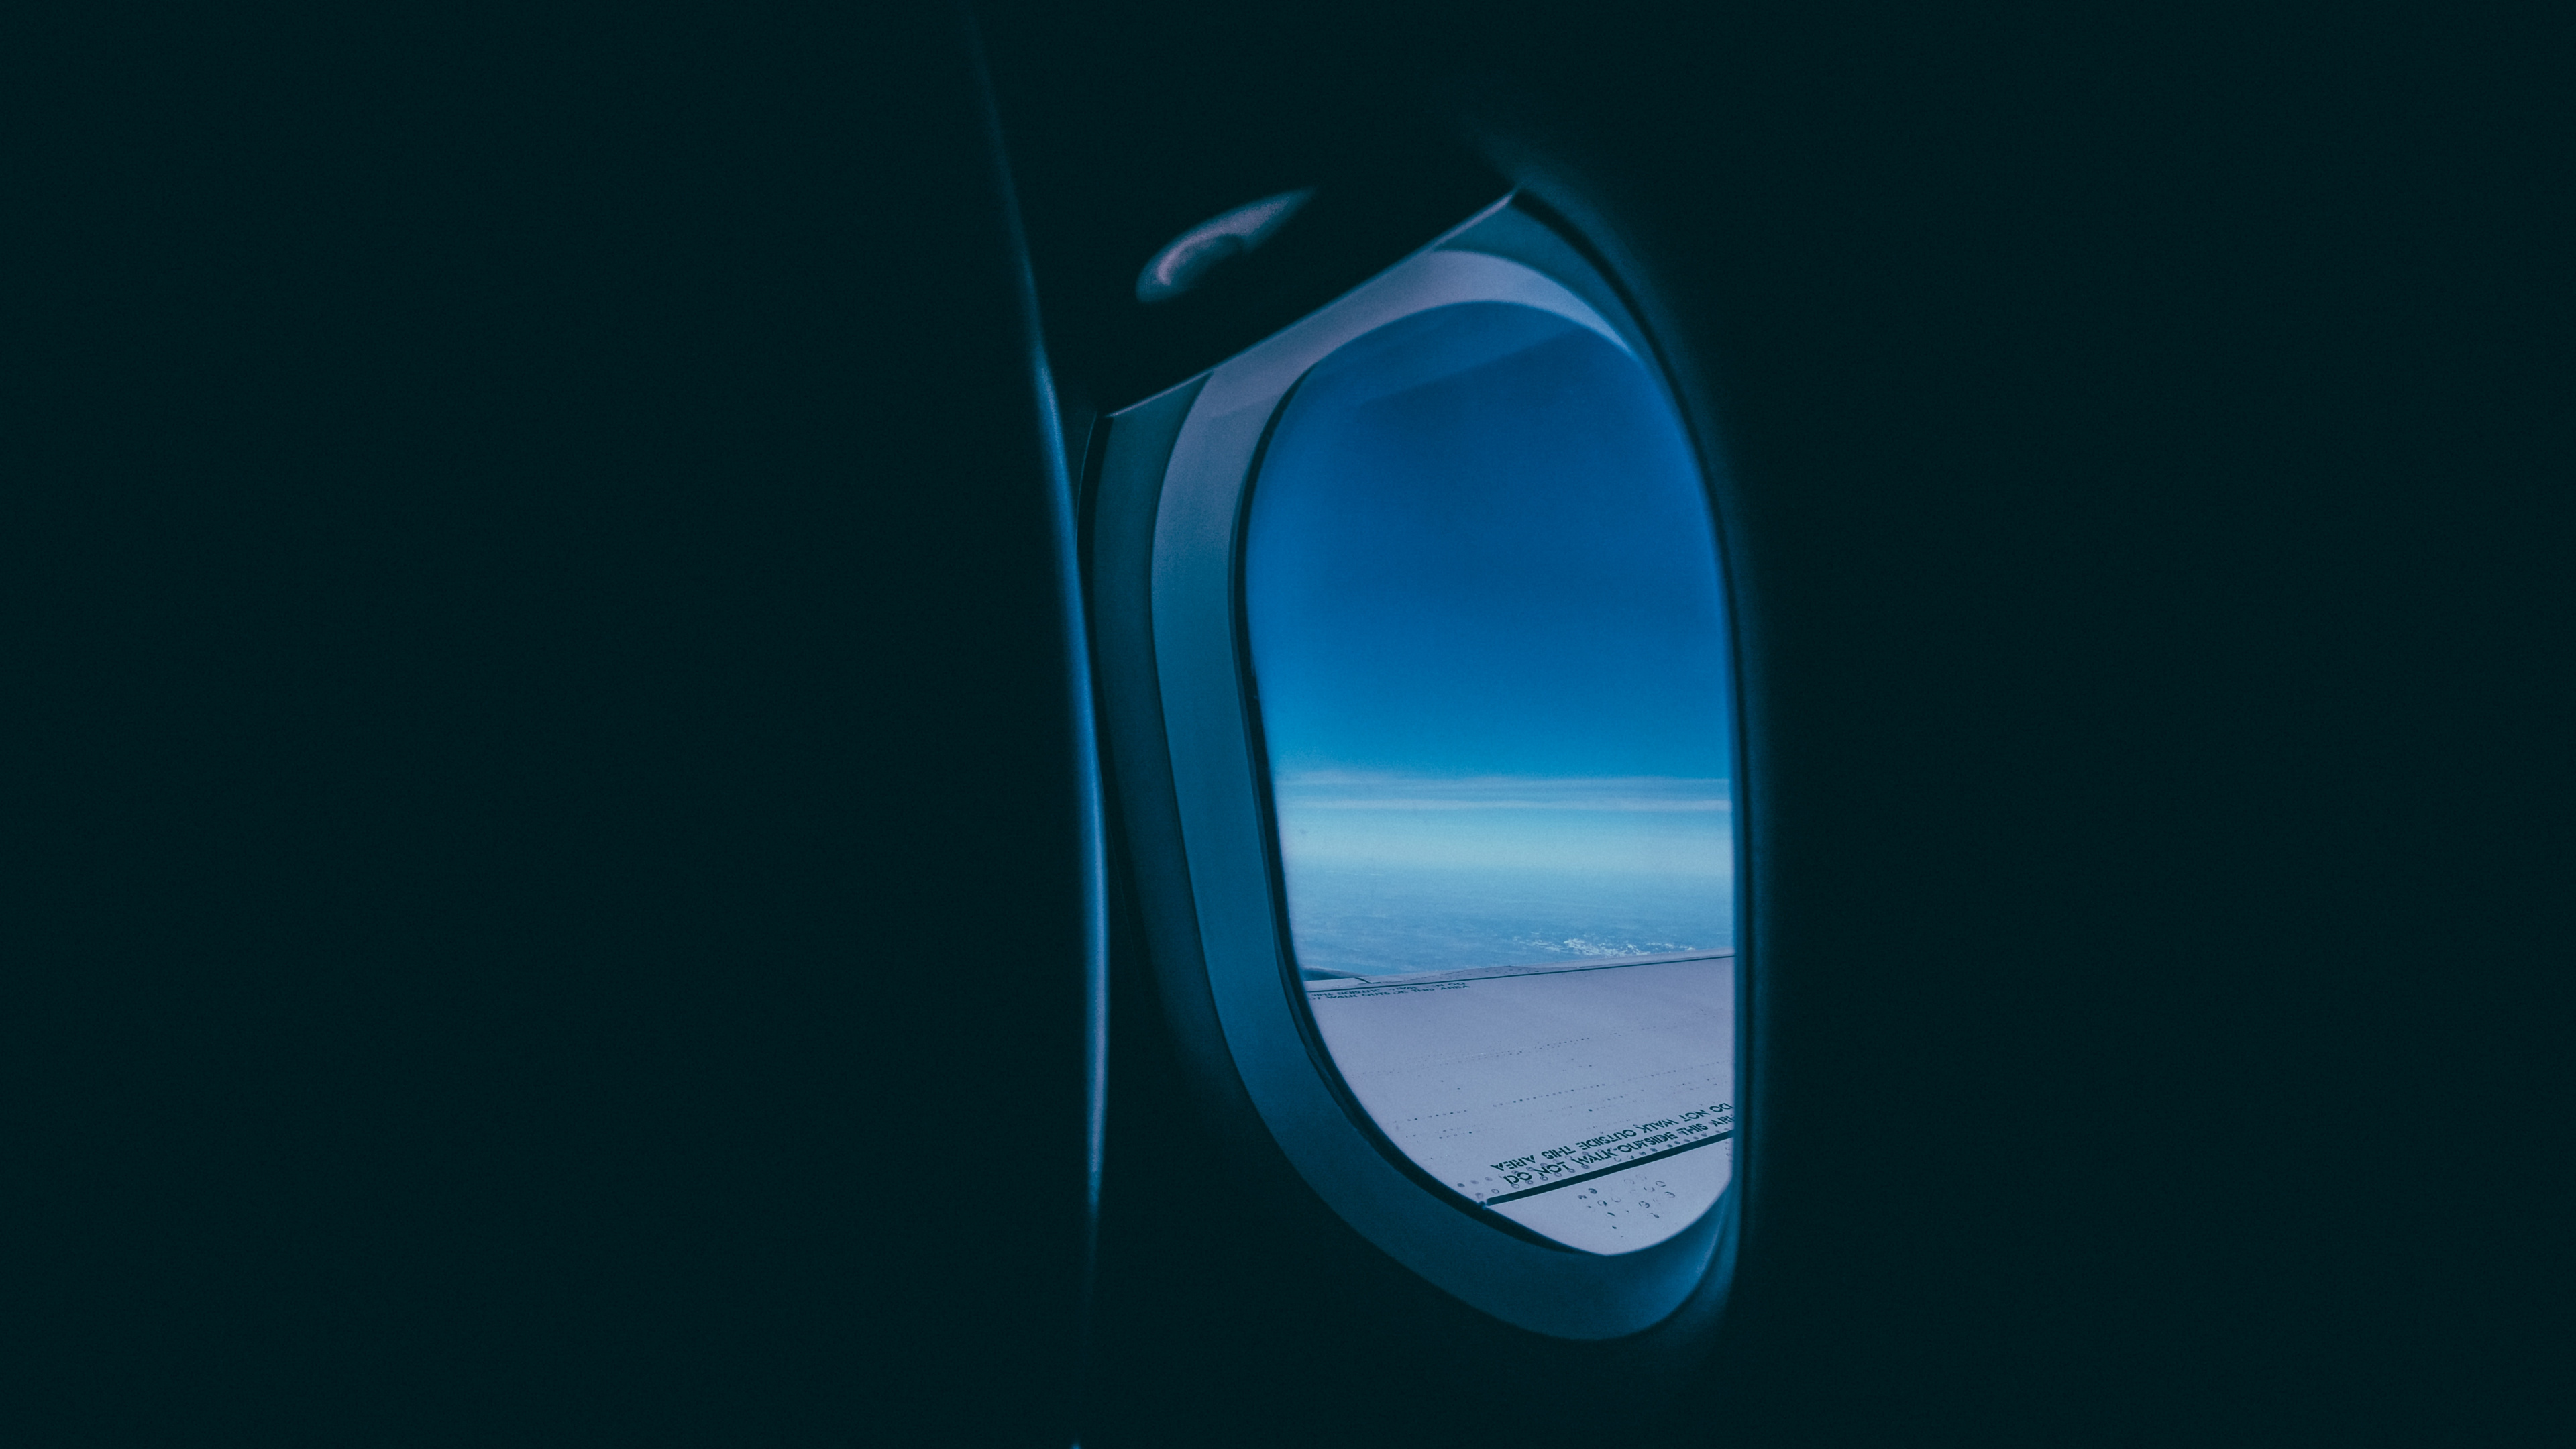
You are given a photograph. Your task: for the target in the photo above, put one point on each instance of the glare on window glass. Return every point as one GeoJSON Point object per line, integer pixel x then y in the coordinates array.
{"type": "Point", "coordinates": [1488, 642]}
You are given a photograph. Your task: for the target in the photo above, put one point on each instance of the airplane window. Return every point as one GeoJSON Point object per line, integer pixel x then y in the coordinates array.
{"type": "Point", "coordinates": [1487, 639]}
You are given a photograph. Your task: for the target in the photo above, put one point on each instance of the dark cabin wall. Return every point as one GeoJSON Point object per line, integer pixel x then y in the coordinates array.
{"type": "Point", "coordinates": [2136, 525]}
{"type": "Point", "coordinates": [545, 889]}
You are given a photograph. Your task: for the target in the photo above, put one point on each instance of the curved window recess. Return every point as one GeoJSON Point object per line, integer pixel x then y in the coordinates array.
{"type": "Point", "coordinates": [1533, 1108]}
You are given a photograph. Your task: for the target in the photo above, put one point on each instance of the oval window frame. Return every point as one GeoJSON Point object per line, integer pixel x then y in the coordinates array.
{"type": "Point", "coordinates": [1220, 786]}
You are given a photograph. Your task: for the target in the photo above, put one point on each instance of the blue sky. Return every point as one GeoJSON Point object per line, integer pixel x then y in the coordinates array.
{"type": "Point", "coordinates": [1484, 609]}
{"type": "Point", "coordinates": [1478, 546]}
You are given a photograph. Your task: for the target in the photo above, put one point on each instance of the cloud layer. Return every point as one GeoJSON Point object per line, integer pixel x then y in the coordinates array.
{"type": "Point", "coordinates": [1625, 824]}
{"type": "Point", "coordinates": [1612, 794]}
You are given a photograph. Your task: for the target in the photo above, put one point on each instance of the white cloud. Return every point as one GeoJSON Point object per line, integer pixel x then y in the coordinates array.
{"type": "Point", "coordinates": [1615, 794]}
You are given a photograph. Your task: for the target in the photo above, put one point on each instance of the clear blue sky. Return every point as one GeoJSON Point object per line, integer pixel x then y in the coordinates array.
{"type": "Point", "coordinates": [1478, 547]}
{"type": "Point", "coordinates": [1487, 629]}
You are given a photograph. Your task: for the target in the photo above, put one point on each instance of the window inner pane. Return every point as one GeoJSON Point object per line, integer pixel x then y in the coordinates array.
{"type": "Point", "coordinates": [1488, 640]}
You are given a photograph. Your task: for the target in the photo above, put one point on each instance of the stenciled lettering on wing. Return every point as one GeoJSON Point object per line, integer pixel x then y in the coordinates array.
{"type": "Point", "coordinates": [1644, 1139]}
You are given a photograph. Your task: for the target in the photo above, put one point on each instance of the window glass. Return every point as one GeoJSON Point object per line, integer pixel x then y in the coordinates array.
{"type": "Point", "coordinates": [1488, 643]}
